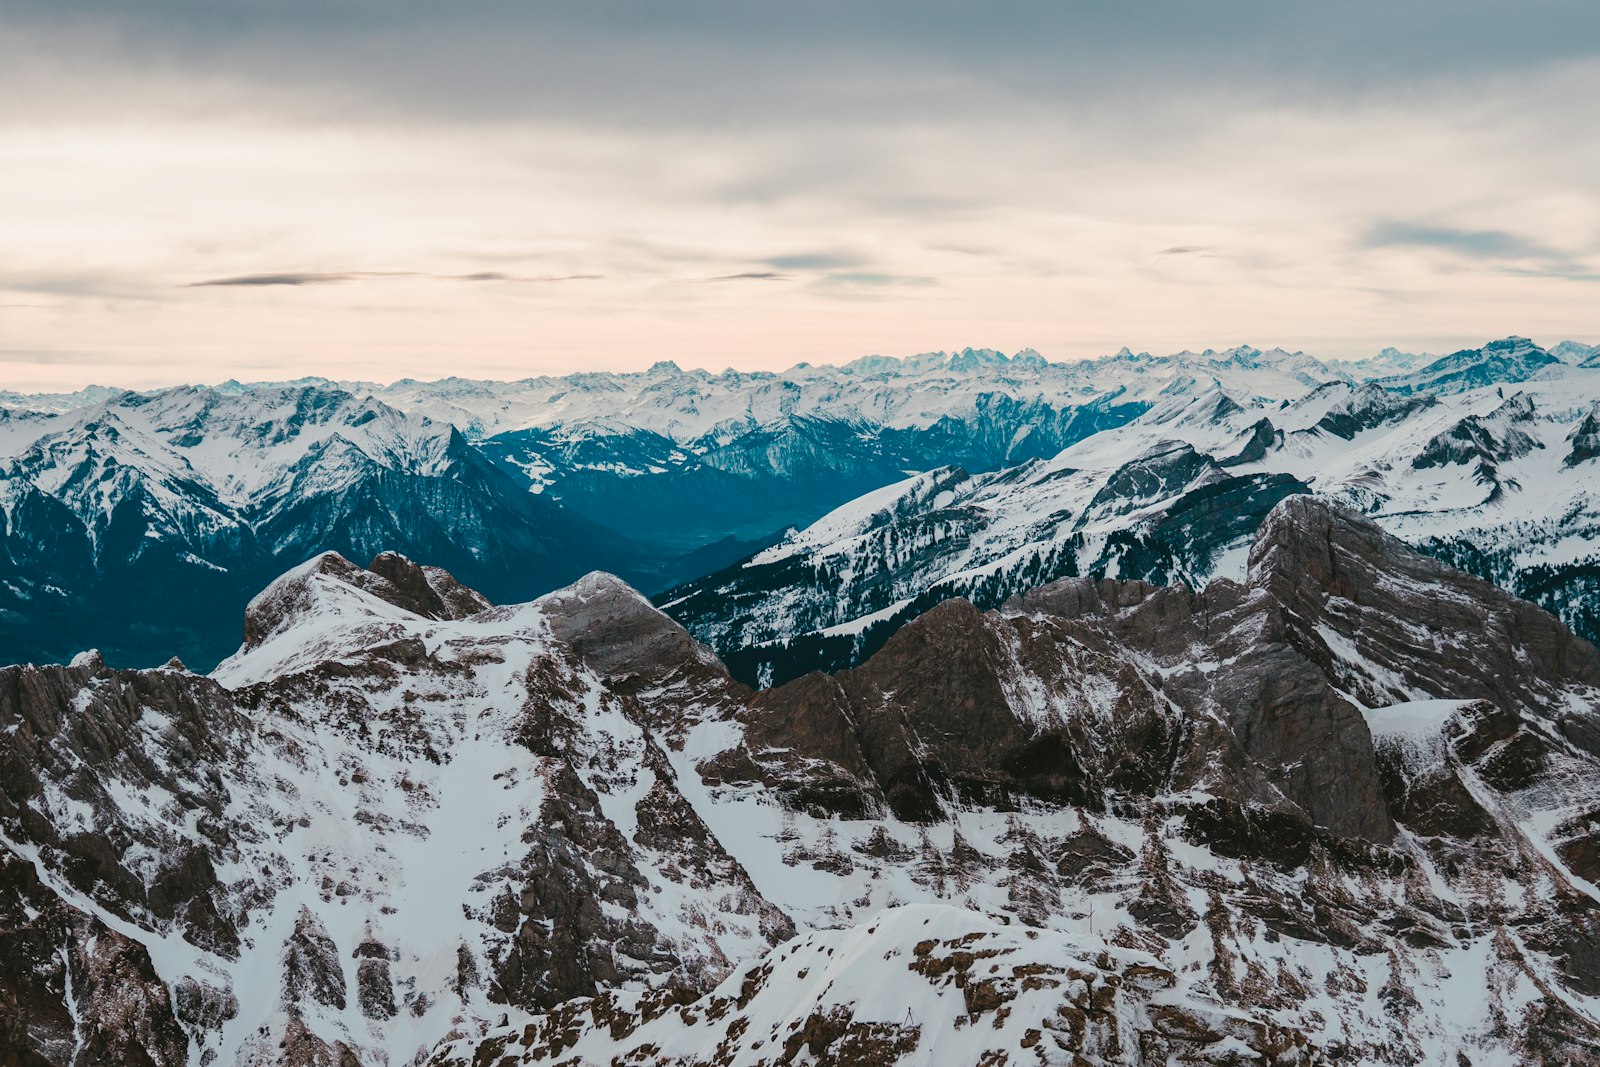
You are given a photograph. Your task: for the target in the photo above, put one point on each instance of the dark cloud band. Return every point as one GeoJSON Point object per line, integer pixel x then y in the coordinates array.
{"type": "Point", "coordinates": [298, 278]}
{"type": "Point", "coordinates": [752, 276]}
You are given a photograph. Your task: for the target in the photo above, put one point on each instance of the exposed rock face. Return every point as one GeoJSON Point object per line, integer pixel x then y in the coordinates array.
{"type": "Point", "coordinates": [1112, 821]}
{"type": "Point", "coordinates": [618, 634]}
{"type": "Point", "coordinates": [74, 991]}
{"type": "Point", "coordinates": [1484, 442]}
{"type": "Point", "coordinates": [1225, 655]}
{"type": "Point", "coordinates": [424, 591]}
{"type": "Point", "coordinates": [1153, 476]}
{"type": "Point", "coordinates": [946, 711]}
{"type": "Point", "coordinates": [1387, 622]}
{"type": "Point", "coordinates": [427, 591]}
{"type": "Point", "coordinates": [1585, 438]}
{"type": "Point", "coordinates": [1368, 407]}
{"type": "Point", "coordinates": [990, 709]}
{"type": "Point", "coordinates": [313, 973]}
{"type": "Point", "coordinates": [1263, 437]}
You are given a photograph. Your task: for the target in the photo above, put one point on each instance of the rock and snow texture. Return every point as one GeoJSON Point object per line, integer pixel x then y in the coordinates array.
{"type": "Point", "coordinates": [924, 983]}
{"type": "Point", "coordinates": [1343, 810]}
{"type": "Point", "coordinates": [369, 822]}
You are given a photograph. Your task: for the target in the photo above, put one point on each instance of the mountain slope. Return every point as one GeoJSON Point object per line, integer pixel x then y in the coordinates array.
{"type": "Point", "coordinates": [1342, 810]}
{"type": "Point", "coordinates": [1494, 479]}
{"type": "Point", "coordinates": [918, 984]}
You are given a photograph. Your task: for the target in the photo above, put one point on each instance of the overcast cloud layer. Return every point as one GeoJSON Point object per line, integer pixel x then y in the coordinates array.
{"type": "Point", "coordinates": [193, 191]}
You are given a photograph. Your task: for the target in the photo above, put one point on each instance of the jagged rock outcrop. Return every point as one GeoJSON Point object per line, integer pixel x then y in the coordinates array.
{"type": "Point", "coordinates": [431, 592]}
{"type": "Point", "coordinates": [1386, 621]}
{"type": "Point", "coordinates": [428, 592]}
{"type": "Point", "coordinates": [1485, 442]}
{"type": "Point", "coordinates": [1584, 438]}
{"type": "Point", "coordinates": [1371, 406]}
{"type": "Point", "coordinates": [1263, 438]}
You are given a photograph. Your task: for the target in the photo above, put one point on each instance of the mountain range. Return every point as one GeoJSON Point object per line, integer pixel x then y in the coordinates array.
{"type": "Point", "coordinates": [141, 523]}
{"type": "Point", "coordinates": [1484, 458]}
{"type": "Point", "coordinates": [667, 477]}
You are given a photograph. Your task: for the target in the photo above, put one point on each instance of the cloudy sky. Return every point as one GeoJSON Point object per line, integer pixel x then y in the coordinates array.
{"type": "Point", "coordinates": [196, 190]}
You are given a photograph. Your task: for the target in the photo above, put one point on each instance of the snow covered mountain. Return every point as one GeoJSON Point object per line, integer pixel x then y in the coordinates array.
{"type": "Point", "coordinates": [109, 509]}
{"type": "Point", "coordinates": [696, 457]}
{"type": "Point", "coordinates": [664, 476]}
{"type": "Point", "coordinates": [1342, 811]}
{"type": "Point", "coordinates": [107, 494]}
{"type": "Point", "coordinates": [1498, 478]}
{"type": "Point", "coordinates": [1574, 352]}
{"type": "Point", "coordinates": [1513, 359]}
{"type": "Point", "coordinates": [915, 392]}
{"type": "Point", "coordinates": [692, 458]}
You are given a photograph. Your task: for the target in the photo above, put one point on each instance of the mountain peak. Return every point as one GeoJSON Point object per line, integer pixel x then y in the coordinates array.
{"type": "Point", "coordinates": [430, 592]}
{"type": "Point", "coordinates": [1507, 360]}
{"type": "Point", "coordinates": [969, 359]}
{"type": "Point", "coordinates": [616, 631]}
{"type": "Point", "coordinates": [1585, 438]}
{"type": "Point", "coordinates": [328, 586]}
{"type": "Point", "coordinates": [1574, 352]}
{"type": "Point", "coordinates": [294, 594]}
{"type": "Point", "coordinates": [1325, 562]}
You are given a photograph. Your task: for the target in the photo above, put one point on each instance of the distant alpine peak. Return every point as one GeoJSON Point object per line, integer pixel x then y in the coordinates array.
{"type": "Point", "coordinates": [1575, 352]}
{"type": "Point", "coordinates": [1507, 360]}
{"type": "Point", "coordinates": [968, 359]}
